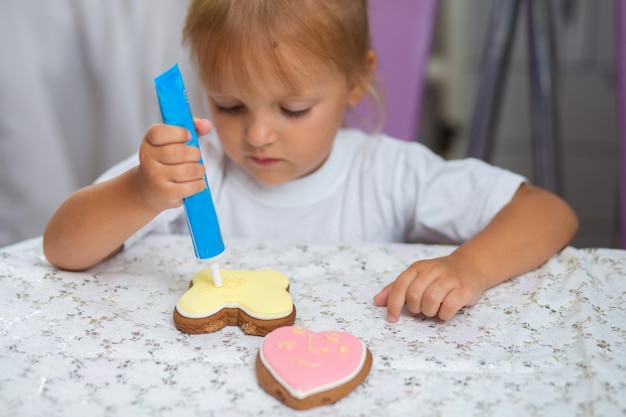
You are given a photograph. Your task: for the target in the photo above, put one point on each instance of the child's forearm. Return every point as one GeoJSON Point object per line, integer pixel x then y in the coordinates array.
{"type": "Point", "coordinates": [526, 232]}
{"type": "Point", "coordinates": [94, 222]}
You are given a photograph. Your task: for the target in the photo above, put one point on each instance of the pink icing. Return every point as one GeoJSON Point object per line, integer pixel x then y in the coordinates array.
{"type": "Point", "coordinates": [306, 362]}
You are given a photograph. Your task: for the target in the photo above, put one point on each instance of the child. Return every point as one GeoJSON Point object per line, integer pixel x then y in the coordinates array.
{"type": "Point", "coordinates": [279, 76]}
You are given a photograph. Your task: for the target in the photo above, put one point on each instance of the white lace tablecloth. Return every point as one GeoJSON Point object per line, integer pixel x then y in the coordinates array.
{"type": "Point", "coordinates": [102, 343]}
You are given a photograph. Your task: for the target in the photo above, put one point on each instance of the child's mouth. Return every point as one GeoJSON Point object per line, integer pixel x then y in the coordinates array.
{"type": "Point", "coordinates": [264, 161]}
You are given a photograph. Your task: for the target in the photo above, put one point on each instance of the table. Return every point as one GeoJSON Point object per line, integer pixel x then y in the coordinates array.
{"type": "Point", "coordinates": [102, 342]}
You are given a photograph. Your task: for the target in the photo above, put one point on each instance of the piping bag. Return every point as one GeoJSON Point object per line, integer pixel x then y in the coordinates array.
{"type": "Point", "coordinates": [199, 209]}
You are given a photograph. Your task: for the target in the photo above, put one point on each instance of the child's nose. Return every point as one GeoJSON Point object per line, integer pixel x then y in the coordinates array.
{"type": "Point", "coordinates": [260, 132]}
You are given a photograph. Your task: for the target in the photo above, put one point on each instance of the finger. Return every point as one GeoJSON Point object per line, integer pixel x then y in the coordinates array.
{"type": "Point", "coordinates": [397, 294]}
{"type": "Point", "coordinates": [160, 191]}
{"type": "Point", "coordinates": [187, 172]}
{"type": "Point", "coordinates": [178, 153]}
{"type": "Point", "coordinates": [454, 301]}
{"type": "Point", "coordinates": [415, 291]}
{"type": "Point", "coordinates": [426, 273]}
{"type": "Point", "coordinates": [176, 192]}
{"type": "Point", "coordinates": [162, 134]}
{"type": "Point", "coordinates": [190, 188]}
{"type": "Point", "coordinates": [203, 126]}
{"type": "Point", "coordinates": [433, 296]}
{"type": "Point", "coordinates": [380, 299]}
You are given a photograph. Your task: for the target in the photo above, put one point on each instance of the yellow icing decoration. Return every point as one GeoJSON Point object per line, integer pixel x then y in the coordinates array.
{"type": "Point", "coordinates": [260, 294]}
{"type": "Point", "coordinates": [332, 337]}
{"type": "Point", "coordinates": [233, 283]}
{"type": "Point", "coordinates": [298, 330]}
{"type": "Point", "coordinates": [309, 346]}
{"type": "Point", "coordinates": [302, 362]}
{"type": "Point", "coordinates": [287, 344]}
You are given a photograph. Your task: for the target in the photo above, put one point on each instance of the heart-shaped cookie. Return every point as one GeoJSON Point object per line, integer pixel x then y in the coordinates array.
{"type": "Point", "coordinates": [306, 369]}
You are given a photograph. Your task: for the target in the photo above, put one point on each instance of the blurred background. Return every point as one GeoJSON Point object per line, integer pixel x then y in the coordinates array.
{"type": "Point", "coordinates": [77, 95]}
{"type": "Point", "coordinates": [586, 88]}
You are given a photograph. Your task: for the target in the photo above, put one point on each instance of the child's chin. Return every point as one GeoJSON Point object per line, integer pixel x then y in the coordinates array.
{"type": "Point", "coordinates": [276, 177]}
{"type": "Point", "coordinates": [271, 179]}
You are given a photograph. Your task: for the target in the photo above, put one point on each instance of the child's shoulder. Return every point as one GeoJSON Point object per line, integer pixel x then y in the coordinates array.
{"type": "Point", "coordinates": [359, 138]}
{"type": "Point", "coordinates": [381, 147]}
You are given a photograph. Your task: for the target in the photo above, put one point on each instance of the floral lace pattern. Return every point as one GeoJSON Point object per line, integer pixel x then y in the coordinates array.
{"type": "Point", "coordinates": [102, 342]}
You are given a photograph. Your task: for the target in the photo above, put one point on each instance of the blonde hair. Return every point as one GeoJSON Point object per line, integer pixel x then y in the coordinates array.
{"type": "Point", "coordinates": [234, 36]}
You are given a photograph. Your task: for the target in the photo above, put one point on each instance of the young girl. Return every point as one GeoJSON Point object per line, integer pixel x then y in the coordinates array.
{"type": "Point", "coordinates": [279, 76]}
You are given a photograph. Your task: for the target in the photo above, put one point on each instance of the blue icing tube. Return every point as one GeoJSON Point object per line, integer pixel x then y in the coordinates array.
{"type": "Point", "coordinates": [199, 208]}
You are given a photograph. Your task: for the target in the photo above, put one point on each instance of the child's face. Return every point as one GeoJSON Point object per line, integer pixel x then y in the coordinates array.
{"type": "Point", "coordinates": [277, 134]}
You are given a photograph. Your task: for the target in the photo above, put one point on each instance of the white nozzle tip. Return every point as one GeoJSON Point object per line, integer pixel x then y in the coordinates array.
{"type": "Point", "coordinates": [215, 273]}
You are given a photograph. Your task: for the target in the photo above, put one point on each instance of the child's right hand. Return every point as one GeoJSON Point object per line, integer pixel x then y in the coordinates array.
{"type": "Point", "coordinates": [95, 221]}
{"type": "Point", "coordinates": [169, 169]}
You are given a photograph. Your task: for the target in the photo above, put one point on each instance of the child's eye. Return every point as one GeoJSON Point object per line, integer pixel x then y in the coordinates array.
{"type": "Point", "coordinates": [230, 109]}
{"type": "Point", "coordinates": [294, 113]}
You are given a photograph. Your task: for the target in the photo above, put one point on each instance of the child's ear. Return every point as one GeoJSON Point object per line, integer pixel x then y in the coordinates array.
{"type": "Point", "coordinates": [359, 87]}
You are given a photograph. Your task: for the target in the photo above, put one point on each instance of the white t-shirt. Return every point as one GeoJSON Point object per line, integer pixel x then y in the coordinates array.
{"type": "Point", "coordinates": [372, 188]}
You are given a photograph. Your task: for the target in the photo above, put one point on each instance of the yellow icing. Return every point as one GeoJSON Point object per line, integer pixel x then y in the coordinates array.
{"type": "Point", "coordinates": [309, 346]}
{"type": "Point", "coordinates": [308, 364]}
{"type": "Point", "coordinates": [261, 294]}
{"type": "Point", "coordinates": [287, 344]}
{"type": "Point", "coordinates": [332, 337]}
{"type": "Point", "coordinates": [298, 330]}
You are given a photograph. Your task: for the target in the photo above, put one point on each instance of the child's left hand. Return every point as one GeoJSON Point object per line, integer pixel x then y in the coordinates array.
{"type": "Point", "coordinates": [433, 287]}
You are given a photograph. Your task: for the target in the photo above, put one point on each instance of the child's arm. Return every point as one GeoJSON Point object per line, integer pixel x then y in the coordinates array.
{"type": "Point", "coordinates": [94, 222]}
{"type": "Point", "coordinates": [531, 228]}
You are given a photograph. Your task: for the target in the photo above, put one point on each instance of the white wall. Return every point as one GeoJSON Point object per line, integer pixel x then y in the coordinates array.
{"type": "Point", "coordinates": [77, 95]}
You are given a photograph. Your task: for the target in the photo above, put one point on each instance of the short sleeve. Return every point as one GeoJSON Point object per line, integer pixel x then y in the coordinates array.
{"type": "Point", "coordinates": [459, 198]}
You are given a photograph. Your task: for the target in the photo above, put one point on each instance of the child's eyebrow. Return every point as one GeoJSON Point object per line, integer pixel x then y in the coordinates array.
{"type": "Point", "coordinates": [303, 94]}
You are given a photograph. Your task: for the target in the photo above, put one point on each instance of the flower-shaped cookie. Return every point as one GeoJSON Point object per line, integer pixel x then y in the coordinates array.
{"type": "Point", "coordinates": [256, 301]}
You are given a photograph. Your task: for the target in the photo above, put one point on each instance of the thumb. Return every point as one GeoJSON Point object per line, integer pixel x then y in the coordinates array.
{"type": "Point", "coordinates": [203, 126]}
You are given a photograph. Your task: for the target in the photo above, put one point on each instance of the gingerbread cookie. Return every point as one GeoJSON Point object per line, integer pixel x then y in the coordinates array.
{"type": "Point", "coordinates": [256, 301]}
{"type": "Point", "coordinates": [305, 369]}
